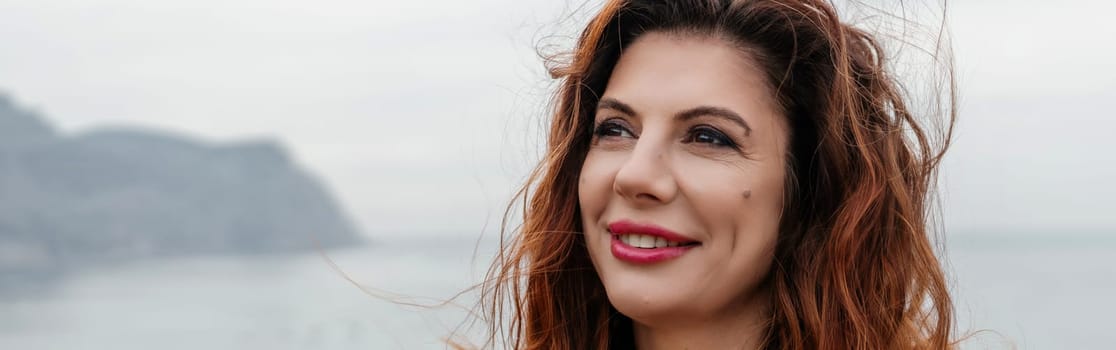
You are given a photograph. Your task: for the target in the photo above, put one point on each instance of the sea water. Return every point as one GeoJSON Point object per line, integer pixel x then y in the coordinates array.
{"type": "Point", "coordinates": [1036, 292]}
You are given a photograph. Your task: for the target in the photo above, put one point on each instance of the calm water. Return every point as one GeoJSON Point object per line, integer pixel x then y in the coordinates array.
{"type": "Point", "coordinates": [1035, 293]}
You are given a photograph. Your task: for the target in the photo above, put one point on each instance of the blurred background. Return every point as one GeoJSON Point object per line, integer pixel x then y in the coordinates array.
{"type": "Point", "coordinates": [256, 174]}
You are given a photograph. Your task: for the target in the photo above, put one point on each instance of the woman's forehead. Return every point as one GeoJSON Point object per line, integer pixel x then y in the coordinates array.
{"type": "Point", "coordinates": [662, 74]}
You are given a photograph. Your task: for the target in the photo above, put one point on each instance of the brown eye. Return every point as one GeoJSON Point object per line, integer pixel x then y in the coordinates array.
{"type": "Point", "coordinates": [612, 129]}
{"type": "Point", "coordinates": [709, 135]}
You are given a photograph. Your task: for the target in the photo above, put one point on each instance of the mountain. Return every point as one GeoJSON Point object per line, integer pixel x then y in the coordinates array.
{"type": "Point", "coordinates": [121, 194]}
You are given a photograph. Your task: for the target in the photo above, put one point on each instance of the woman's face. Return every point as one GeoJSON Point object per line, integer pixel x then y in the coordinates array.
{"type": "Point", "coordinates": [681, 191]}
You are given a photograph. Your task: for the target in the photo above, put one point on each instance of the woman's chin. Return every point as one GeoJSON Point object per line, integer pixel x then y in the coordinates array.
{"type": "Point", "coordinates": [650, 305]}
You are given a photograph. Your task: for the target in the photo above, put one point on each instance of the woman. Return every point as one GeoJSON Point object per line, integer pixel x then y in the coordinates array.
{"type": "Point", "coordinates": [726, 174]}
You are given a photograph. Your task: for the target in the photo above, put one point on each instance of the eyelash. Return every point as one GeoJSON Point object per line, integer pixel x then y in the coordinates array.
{"type": "Point", "coordinates": [716, 137]}
{"type": "Point", "coordinates": [712, 136]}
{"type": "Point", "coordinates": [610, 128]}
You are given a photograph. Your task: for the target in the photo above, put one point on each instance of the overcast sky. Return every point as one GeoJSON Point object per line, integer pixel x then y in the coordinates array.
{"type": "Point", "coordinates": [422, 117]}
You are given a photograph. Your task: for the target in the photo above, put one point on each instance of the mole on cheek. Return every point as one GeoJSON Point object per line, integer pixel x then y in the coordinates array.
{"type": "Point", "coordinates": [747, 194]}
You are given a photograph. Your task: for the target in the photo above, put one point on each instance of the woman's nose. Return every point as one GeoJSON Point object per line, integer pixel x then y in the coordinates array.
{"type": "Point", "coordinates": [646, 178]}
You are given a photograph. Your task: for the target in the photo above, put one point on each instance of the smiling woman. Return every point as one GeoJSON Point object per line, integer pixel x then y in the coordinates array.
{"type": "Point", "coordinates": [726, 174]}
{"type": "Point", "coordinates": [659, 169]}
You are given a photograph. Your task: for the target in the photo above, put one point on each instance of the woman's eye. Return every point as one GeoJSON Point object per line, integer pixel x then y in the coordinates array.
{"type": "Point", "coordinates": [609, 128]}
{"type": "Point", "coordinates": [710, 136]}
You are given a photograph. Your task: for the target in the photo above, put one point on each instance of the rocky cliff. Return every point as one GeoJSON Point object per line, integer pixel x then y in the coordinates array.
{"type": "Point", "coordinates": [127, 193]}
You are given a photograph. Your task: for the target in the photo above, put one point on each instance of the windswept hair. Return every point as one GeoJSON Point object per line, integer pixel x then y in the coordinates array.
{"type": "Point", "coordinates": [855, 264]}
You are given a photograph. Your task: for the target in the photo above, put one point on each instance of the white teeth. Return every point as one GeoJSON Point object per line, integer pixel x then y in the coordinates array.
{"type": "Point", "coordinates": [647, 242]}
{"type": "Point", "coordinates": [637, 241]}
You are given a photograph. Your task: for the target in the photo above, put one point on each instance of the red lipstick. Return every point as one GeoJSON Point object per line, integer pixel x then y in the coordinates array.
{"type": "Point", "coordinates": [632, 254]}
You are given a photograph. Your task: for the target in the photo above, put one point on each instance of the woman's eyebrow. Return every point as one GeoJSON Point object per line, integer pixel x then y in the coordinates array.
{"type": "Point", "coordinates": [614, 104]}
{"type": "Point", "coordinates": [719, 112]}
{"type": "Point", "coordinates": [712, 111]}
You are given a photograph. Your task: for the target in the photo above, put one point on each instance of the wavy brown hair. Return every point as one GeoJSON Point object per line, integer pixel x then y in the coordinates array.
{"type": "Point", "coordinates": [855, 264]}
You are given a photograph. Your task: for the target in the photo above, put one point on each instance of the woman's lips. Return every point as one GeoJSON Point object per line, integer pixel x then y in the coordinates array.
{"type": "Point", "coordinates": [646, 244]}
{"type": "Point", "coordinates": [628, 227]}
